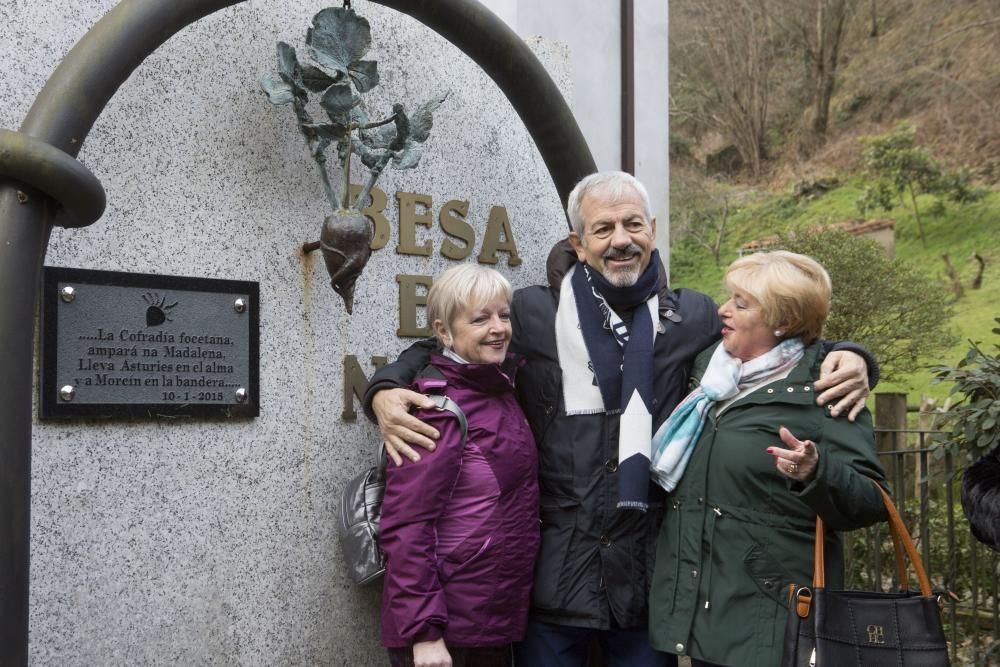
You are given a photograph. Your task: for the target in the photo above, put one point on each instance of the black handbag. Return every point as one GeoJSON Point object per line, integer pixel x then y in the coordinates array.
{"type": "Point", "coordinates": [361, 509]}
{"type": "Point", "coordinates": [838, 628]}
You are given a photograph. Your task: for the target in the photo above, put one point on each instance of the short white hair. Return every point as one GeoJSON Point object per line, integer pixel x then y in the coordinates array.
{"type": "Point", "coordinates": [464, 286]}
{"type": "Point", "coordinates": [611, 185]}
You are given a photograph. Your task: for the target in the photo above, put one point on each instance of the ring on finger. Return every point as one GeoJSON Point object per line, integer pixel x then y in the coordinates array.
{"type": "Point", "coordinates": [793, 468]}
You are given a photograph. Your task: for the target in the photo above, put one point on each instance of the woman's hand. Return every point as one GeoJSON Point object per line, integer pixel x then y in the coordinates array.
{"type": "Point", "coordinates": [799, 461]}
{"type": "Point", "coordinates": [399, 428]}
{"type": "Point", "coordinates": [431, 654]}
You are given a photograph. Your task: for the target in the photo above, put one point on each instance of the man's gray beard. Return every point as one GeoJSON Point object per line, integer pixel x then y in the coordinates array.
{"type": "Point", "coordinates": [622, 277]}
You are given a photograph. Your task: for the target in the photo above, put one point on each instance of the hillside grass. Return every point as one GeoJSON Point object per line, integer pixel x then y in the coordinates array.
{"type": "Point", "coordinates": [959, 231]}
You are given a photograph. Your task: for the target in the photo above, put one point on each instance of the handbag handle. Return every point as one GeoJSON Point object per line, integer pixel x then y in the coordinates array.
{"type": "Point", "coordinates": [901, 541]}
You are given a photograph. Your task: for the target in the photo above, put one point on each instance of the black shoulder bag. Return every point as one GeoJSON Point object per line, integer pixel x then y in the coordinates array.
{"type": "Point", "coordinates": [837, 628]}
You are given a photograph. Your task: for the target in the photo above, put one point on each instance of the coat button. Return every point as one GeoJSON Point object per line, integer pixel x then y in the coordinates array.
{"type": "Point", "coordinates": [679, 648]}
{"type": "Point", "coordinates": [605, 542]}
{"type": "Point", "coordinates": [770, 391]}
{"type": "Point", "coordinates": [548, 409]}
{"type": "Point", "coordinates": [611, 465]}
{"type": "Point", "coordinates": [694, 574]}
{"type": "Point", "coordinates": [790, 389]}
{"type": "Point", "coordinates": [701, 500]}
{"type": "Point", "coordinates": [807, 388]}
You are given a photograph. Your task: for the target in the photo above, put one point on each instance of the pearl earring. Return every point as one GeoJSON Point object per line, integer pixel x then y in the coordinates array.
{"type": "Point", "coordinates": [778, 333]}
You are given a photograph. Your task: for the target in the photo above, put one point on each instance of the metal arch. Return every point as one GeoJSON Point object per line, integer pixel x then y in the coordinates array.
{"type": "Point", "coordinates": [56, 174]}
{"type": "Point", "coordinates": [62, 116]}
{"type": "Point", "coordinates": [505, 57]}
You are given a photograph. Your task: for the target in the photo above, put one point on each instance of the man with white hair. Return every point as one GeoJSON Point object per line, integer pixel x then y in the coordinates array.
{"type": "Point", "coordinates": [608, 356]}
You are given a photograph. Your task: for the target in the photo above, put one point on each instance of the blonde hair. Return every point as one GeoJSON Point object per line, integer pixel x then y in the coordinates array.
{"type": "Point", "coordinates": [793, 290]}
{"type": "Point", "coordinates": [464, 286]}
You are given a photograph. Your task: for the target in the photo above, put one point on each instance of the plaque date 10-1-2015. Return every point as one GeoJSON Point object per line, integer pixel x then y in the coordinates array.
{"type": "Point", "coordinates": [123, 344]}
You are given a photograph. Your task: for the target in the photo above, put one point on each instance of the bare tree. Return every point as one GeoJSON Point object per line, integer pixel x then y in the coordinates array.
{"type": "Point", "coordinates": [819, 28]}
{"type": "Point", "coordinates": [706, 224]}
{"type": "Point", "coordinates": [977, 282]}
{"type": "Point", "coordinates": [722, 60]}
{"type": "Point", "coordinates": [831, 19]}
{"type": "Point", "coordinates": [953, 279]}
{"type": "Point", "coordinates": [701, 210]}
{"type": "Point", "coordinates": [709, 229]}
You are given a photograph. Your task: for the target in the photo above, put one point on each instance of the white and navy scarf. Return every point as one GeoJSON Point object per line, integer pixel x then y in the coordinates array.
{"type": "Point", "coordinates": [607, 366]}
{"type": "Point", "coordinates": [724, 378]}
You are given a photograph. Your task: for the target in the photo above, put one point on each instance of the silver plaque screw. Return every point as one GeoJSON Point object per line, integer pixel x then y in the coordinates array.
{"type": "Point", "coordinates": [67, 392]}
{"type": "Point", "coordinates": [67, 294]}
{"type": "Point", "coordinates": [241, 395]}
{"type": "Point", "coordinates": [240, 305]}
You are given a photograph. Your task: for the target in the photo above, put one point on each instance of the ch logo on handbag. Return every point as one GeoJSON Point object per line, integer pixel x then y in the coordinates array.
{"type": "Point", "coordinates": [876, 634]}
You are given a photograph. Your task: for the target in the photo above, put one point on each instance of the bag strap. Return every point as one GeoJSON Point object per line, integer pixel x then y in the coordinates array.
{"type": "Point", "coordinates": [445, 403]}
{"type": "Point", "coordinates": [899, 529]}
{"type": "Point", "coordinates": [441, 402]}
{"type": "Point", "coordinates": [897, 549]}
{"type": "Point", "coordinates": [901, 542]}
{"type": "Point", "coordinates": [819, 555]}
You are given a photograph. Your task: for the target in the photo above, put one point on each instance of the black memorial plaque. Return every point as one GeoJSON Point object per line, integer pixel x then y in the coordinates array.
{"type": "Point", "coordinates": [141, 345]}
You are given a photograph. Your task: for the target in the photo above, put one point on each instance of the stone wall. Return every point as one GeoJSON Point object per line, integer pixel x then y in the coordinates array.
{"type": "Point", "coordinates": [207, 540]}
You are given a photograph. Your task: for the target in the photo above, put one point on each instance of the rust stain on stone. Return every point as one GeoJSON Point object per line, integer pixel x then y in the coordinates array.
{"type": "Point", "coordinates": [307, 271]}
{"type": "Point", "coordinates": [308, 353]}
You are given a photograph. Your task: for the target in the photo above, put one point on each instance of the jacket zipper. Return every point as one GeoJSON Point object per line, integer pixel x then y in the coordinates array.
{"type": "Point", "coordinates": [677, 559]}
{"type": "Point", "coordinates": [717, 514]}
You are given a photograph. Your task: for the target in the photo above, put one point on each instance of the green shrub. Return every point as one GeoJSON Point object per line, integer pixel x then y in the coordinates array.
{"type": "Point", "coordinates": [974, 420]}
{"type": "Point", "coordinates": [680, 147]}
{"type": "Point", "coordinates": [885, 305]}
{"type": "Point", "coordinates": [899, 166]}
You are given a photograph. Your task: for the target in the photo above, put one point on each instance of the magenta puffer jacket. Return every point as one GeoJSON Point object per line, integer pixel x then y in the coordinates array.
{"type": "Point", "coordinates": [460, 526]}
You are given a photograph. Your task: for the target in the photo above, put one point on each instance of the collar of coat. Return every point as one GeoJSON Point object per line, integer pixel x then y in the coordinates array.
{"type": "Point", "coordinates": [487, 378]}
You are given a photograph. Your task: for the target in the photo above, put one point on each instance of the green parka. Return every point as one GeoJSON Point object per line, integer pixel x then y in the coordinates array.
{"type": "Point", "coordinates": [738, 535]}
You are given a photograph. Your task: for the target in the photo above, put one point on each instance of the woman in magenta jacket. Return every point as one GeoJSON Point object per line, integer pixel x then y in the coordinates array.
{"type": "Point", "coordinates": [460, 526]}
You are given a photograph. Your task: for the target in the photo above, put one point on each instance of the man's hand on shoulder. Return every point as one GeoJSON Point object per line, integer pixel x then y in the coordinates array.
{"type": "Point", "coordinates": [843, 378]}
{"type": "Point", "coordinates": [400, 429]}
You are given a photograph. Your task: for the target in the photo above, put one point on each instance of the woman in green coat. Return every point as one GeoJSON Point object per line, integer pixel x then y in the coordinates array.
{"type": "Point", "coordinates": [750, 460]}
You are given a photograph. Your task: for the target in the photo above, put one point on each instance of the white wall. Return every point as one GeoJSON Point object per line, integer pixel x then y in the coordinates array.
{"type": "Point", "coordinates": [592, 31]}
{"type": "Point", "coordinates": [652, 104]}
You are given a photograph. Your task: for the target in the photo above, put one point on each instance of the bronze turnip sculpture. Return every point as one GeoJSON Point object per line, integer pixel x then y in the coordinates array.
{"type": "Point", "coordinates": [337, 41]}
